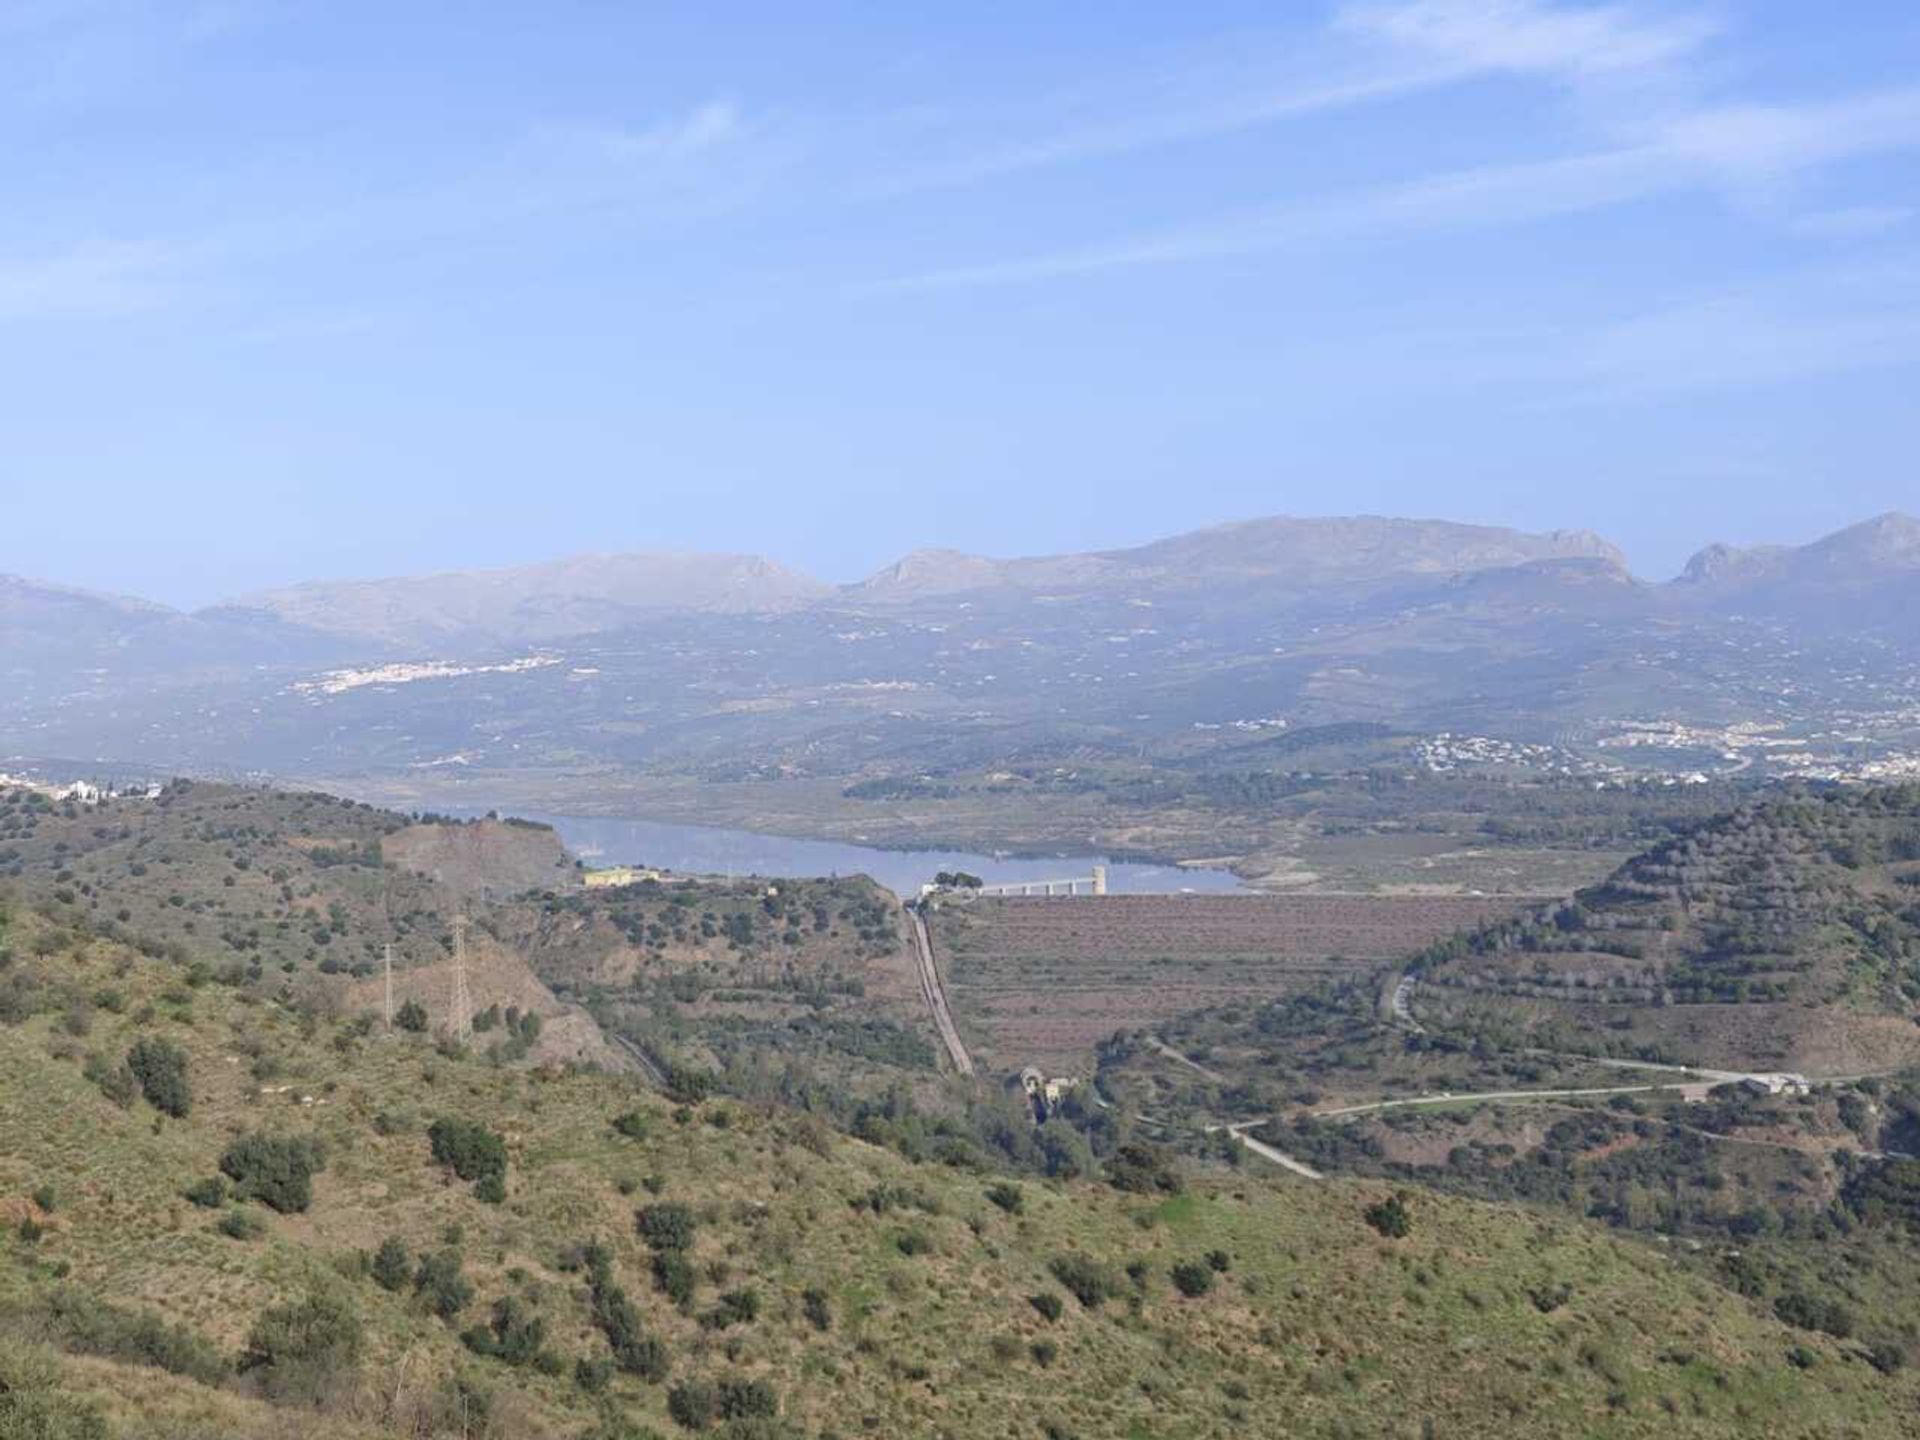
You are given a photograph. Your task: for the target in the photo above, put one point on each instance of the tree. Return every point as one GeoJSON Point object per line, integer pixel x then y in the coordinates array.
{"type": "Point", "coordinates": [473, 1152]}
{"type": "Point", "coordinates": [412, 1017]}
{"type": "Point", "coordinates": [160, 1067]}
{"type": "Point", "coordinates": [306, 1350]}
{"type": "Point", "coordinates": [276, 1171]}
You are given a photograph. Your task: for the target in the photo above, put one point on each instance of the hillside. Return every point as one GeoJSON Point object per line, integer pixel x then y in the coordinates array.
{"type": "Point", "coordinates": [587, 676]}
{"type": "Point", "coordinates": [1785, 935]}
{"type": "Point", "coordinates": [831, 1281]}
{"type": "Point", "coordinates": [528, 604]}
{"type": "Point", "coordinates": [288, 895]}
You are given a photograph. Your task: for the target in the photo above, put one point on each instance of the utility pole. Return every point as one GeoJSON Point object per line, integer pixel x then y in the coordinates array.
{"type": "Point", "coordinates": [389, 964]}
{"type": "Point", "coordinates": [460, 1014]}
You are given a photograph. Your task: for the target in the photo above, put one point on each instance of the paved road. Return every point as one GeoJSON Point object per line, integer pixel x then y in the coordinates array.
{"type": "Point", "coordinates": [936, 995]}
{"type": "Point", "coordinates": [1187, 1060]}
{"type": "Point", "coordinates": [1238, 1130]}
{"type": "Point", "coordinates": [654, 1075]}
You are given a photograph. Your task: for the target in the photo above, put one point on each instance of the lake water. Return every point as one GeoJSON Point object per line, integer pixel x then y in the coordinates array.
{"type": "Point", "coordinates": [708, 850]}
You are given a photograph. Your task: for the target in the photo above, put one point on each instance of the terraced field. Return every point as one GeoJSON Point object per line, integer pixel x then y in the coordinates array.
{"type": "Point", "coordinates": [1041, 982]}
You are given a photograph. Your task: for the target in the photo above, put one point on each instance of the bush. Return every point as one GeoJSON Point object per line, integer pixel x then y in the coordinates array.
{"type": "Point", "coordinates": [1219, 1261]}
{"type": "Point", "coordinates": [440, 1281]}
{"type": "Point", "coordinates": [34, 1403]}
{"type": "Point", "coordinates": [515, 1336]}
{"type": "Point", "coordinates": [1008, 1197]}
{"type": "Point", "coordinates": [160, 1069]}
{"type": "Point", "coordinates": [208, 1194]}
{"type": "Point", "coordinates": [666, 1226]}
{"type": "Point", "coordinates": [307, 1350]}
{"type": "Point", "coordinates": [277, 1172]}
{"type": "Point", "coordinates": [747, 1400]}
{"type": "Point", "coordinates": [736, 1307]}
{"type": "Point", "coordinates": [693, 1404]}
{"type": "Point", "coordinates": [90, 1326]}
{"type": "Point", "coordinates": [633, 1125]}
{"type": "Point", "coordinates": [913, 1242]}
{"type": "Point", "coordinates": [1086, 1280]}
{"type": "Point", "coordinates": [1809, 1312]}
{"type": "Point", "coordinates": [242, 1225]}
{"type": "Point", "coordinates": [817, 1308]}
{"type": "Point", "coordinates": [1048, 1304]}
{"type": "Point", "coordinates": [392, 1267]}
{"type": "Point", "coordinates": [1143, 1169]}
{"type": "Point", "coordinates": [673, 1276]}
{"type": "Point", "coordinates": [412, 1017]}
{"type": "Point", "coordinates": [1044, 1353]}
{"type": "Point", "coordinates": [1391, 1217]}
{"type": "Point", "coordinates": [1192, 1278]}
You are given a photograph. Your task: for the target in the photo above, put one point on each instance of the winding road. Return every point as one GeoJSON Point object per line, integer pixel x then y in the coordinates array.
{"type": "Point", "coordinates": [936, 995]}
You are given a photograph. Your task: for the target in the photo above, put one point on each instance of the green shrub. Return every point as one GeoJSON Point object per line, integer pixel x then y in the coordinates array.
{"type": "Point", "coordinates": [1086, 1280]}
{"type": "Point", "coordinates": [1390, 1217]}
{"type": "Point", "coordinates": [1007, 1196]}
{"type": "Point", "coordinates": [666, 1226]}
{"type": "Point", "coordinates": [440, 1281]}
{"type": "Point", "coordinates": [307, 1350]}
{"type": "Point", "coordinates": [515, 1336]}
{"type": "Point", "coordinates": [736, 1307]}
{"type": "Point", "coordinates": [276, 1171]}
{"type": "Point", "coordinates": [747, 1400]}
{"type": "Point", "coordinates": [160, 1068]}
{"type": "Point", "coordinates": [634, 1125]}
{"type": "Point", "coordinates": [242, 1225]}
{"type": "Point", "coordinates": [392, 1267]}
{"type": "Point", "coordinates": [674, 1277]}
{"type": "Point", "coordinates": [34, 1403]}
{"type": "Point", "coordinates": [1048, 1304]}
{"type": "Point", "coordinates": [473, 1152]}
{"type": "Point", "coordinates": [88, 1325]}
{"type": "Point", "coordinates": [208, 1194]}
{"type": "Point", "coordinates": [693, 1404]}
{"type": "Point", "coordinates": [412, 1017]}
{"type": "Point", "coordinates": [1811, 1312]}
{"type": "Point", "coordinates": [816, 1307]}
{"type": "Point", "coordinates": [1192, 1278]}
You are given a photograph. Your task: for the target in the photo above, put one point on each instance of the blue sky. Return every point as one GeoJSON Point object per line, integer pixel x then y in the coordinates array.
{"type": "Point", "coordinates": [301, 289]}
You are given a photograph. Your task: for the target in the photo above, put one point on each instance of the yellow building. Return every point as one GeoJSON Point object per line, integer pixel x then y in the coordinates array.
{"type": "Point", "coordinates": [615, 876]}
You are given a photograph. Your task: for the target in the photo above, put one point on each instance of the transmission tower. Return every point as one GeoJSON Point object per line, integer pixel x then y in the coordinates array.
{"type": "Point", "coordinates": [460, 1012]}
{"type": "Point", "coordinates": [386, 906]}
{"type": "Point", "coordinates": [389, 965]}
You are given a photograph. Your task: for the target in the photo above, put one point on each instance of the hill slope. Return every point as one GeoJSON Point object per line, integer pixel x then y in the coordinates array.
{"type": "Point", "coordinates": [829, 1280]}
{"type": "Point", "coordinates": [1783, 936]}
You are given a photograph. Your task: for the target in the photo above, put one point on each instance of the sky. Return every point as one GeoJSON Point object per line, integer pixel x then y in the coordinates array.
{"type": "Point", "coordinates": [292, 289]}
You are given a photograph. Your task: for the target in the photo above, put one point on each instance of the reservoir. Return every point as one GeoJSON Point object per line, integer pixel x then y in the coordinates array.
{"type": "Point", "coordinates": [708, 850]}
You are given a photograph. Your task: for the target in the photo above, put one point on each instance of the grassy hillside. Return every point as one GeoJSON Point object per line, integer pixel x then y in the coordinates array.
{"type": "Point", "coordinates": [777, 1265]}
{"type": "Point", "coordinates": [1784, 935]}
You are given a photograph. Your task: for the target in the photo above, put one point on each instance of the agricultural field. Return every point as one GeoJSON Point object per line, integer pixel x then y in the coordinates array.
{"type": "Point", "coordinates": [1042, 982]}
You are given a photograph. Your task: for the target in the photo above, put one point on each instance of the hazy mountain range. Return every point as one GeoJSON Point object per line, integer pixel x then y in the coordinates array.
{"type": "Point", "coordinates": [946, 658]}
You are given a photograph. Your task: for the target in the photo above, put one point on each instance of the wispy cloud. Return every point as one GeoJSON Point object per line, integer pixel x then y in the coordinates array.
{"type": "Point", "coordinates": [95, 278]}
{"type": "Point", "coordinates": [1527, 37]}
{"type": "Point", "coordinates": [1727, 149]}
{"type": "Point", "coordinates": [1370, 53]}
